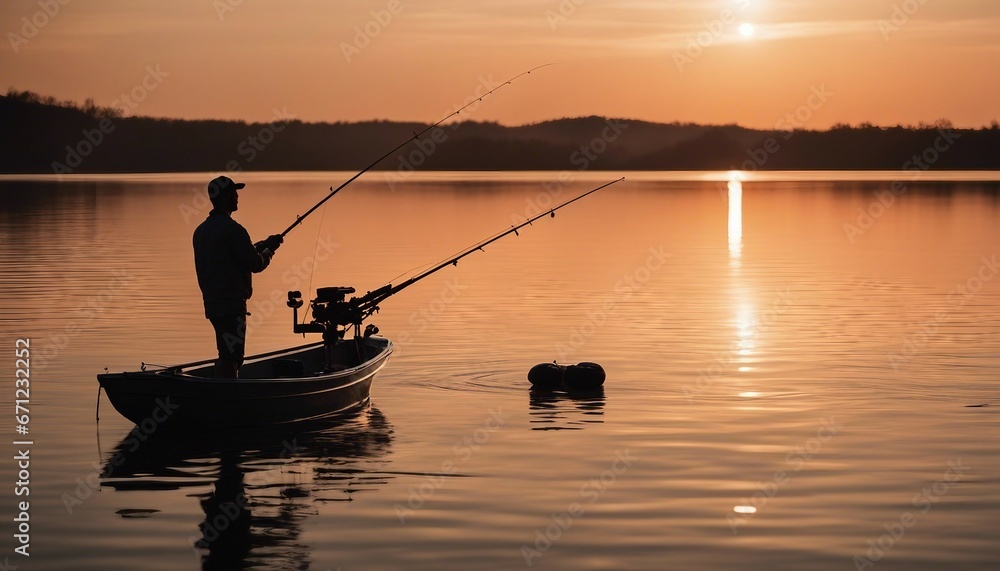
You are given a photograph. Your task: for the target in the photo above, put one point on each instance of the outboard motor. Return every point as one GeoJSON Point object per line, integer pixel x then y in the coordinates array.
{"type": "Point", "coordinates": [332, 315]}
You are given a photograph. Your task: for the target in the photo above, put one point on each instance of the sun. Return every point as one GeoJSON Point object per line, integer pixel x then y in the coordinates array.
{"type": "Point", "coordinates": [746, 29]}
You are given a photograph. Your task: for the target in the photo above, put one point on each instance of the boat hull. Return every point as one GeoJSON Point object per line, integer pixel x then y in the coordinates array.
{"type": "Point", "coordinates": [191, 399]}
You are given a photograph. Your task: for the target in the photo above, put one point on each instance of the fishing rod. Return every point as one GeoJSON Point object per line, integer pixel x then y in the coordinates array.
{"type": "Point", "coordinates": [369, 302]}
{"type": "Point", "coordinates": [331, 310]}
{"type": "Point", "coordinates": [416, 135]}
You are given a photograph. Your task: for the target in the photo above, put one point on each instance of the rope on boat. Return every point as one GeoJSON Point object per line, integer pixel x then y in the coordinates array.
{"type": "Point", "coordinates": [250, 358]}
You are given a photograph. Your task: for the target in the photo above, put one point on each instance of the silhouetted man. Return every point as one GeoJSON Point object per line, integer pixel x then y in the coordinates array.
{"type": "Point", "coordinates": [224, 259]}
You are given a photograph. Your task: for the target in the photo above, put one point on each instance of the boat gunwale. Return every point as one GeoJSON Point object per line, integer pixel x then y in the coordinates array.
{"type": "Point", "coordinates": [174, 373]}
{"type": "Point", "coordinates": [229, 397]}
{"type": "Point", "coordinates": [128, 390]}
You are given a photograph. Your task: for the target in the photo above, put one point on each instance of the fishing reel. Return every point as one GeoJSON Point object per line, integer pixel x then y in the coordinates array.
{"type": "Point", "coordinates": [331, 308]}
{"type": "Point", "coordinates": [332, 312]}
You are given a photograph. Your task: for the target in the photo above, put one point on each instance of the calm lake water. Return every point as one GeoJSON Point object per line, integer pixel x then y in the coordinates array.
{"type": "Point", "coordinates": [783, 392]}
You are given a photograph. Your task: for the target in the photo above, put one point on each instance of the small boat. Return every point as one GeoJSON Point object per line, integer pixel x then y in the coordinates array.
{"type": "Point", "coordinates": [309, 382]}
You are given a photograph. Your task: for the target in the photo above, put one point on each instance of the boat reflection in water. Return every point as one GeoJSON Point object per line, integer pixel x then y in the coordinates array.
{"type": "Point", "coordinates": [262, 483]}
{"type": "Point", "coordinates": [561, 410]}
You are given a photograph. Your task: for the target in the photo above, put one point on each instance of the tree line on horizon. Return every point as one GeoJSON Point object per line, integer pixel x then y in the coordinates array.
{"type": "Point", "coordinates": [40, 134]}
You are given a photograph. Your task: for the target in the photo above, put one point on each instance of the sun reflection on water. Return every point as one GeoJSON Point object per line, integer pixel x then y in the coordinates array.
{"type": "Point", "coordinates": [746, 321]}
{"type": "Point", "coordinates": [735, 215]}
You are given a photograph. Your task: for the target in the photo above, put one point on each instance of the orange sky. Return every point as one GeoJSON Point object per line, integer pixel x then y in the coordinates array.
{"type": "Point", "coordinates": [678, 60]}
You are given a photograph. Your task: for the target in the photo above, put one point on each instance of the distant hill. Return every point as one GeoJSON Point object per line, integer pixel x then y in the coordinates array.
{"type": "Point", "coordinates": [41, 135]}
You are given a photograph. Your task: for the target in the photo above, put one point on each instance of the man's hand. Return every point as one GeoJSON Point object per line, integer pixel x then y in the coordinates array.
{"type": "Point", "coordinates": [271, 244]}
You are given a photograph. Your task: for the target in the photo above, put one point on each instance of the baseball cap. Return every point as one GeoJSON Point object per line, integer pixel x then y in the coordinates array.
{"type": "Point", "coordinates": [223, 184]}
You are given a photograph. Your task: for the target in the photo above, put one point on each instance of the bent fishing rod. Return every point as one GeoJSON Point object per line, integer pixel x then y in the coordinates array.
{"type": "Point", "coordinates": [416, 135]}
{"type": "Point", "coordinates": [331, 312]}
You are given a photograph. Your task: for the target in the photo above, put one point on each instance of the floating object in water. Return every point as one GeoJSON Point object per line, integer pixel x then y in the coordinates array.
{"type": "Point", "coordinates": [580, 377]}
{"type": "Point", "coordinates": [547, 376]}
{"type": "Point", "coordinates": [584, 376]}
{"type": "Point", "coordinates": [129, 513]}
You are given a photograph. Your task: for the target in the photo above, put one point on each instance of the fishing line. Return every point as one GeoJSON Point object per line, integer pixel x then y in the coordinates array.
{"type": "Point", "coordinates": [416, 136]}
{"type": "Point", "coordinates": [368, 303]}
{"type": "Point", "coordinates": [446, 259]}
{"type": "Point", "coordinates": [410, 271]}
{"type": "Point", "coordinates": [299, 219]}
{"type": "Point", "coordinates": [477, 245]}
{"type": "Point", "coordinates": [312, 272]}
{"type": "Point", "coordinates": [333, 313]}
